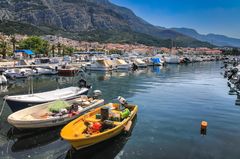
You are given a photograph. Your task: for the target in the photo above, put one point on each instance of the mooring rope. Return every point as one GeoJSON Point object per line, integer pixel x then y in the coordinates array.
{"type": "Point", "coordinates": [4, 103]}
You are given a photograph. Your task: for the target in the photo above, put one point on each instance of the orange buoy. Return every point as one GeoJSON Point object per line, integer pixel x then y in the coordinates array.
{"type": "Point", "coordinates": [204, 125]}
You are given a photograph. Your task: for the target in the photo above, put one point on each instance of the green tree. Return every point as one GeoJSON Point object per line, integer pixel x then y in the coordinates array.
{"type": "Point", "coordinates": [3, 48]}
{"type": "Point", "coordinates": [235, 51]}
{"type": "Point", "coordinates": [13, 41]}
{"type": "Point", "coordinates": [69, 50]}
{"type": "Point", "coordinates": [115, 51]}
{"type": "Point", "coordinates": [36, 44]}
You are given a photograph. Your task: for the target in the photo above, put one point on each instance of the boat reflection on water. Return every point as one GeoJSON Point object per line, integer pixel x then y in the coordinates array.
{"type": "Point", "coordinates": [3, 89]}
{"type": "Point", "coordinates": [120, 73]}
{"type": "Point", "coordinates": [156, 69]}
{"type": "Point", "coordinates": [108, 149]}
{"type": "Point", "coordinates": [99, 75]}
{"type": "Point", "coordinates": [29, 139]}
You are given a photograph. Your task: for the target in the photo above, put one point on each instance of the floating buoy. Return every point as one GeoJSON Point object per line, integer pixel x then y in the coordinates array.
{"type": "Point", "coordinates": [203, 130]}
{"type": "Point", "coordinates": [128, 126]}
{"type": "Point", "coordinates": [204, 125]}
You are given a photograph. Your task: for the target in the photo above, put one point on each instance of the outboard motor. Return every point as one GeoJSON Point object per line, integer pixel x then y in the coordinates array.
{"type": "Point", "coordinates": [83, 83]}
{"type": "Point", "coordinates": [122, 100]}
{"type": "Point", "coordinates": [134, 66]}
{"type": "Point", "coordinates": [97, 94]}
{"type": "Point", "coordinates": [123, 103]}
{"type": "Point", "coordinates": [232, 73]}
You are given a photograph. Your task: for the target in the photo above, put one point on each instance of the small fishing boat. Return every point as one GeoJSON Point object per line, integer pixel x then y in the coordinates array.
{"type": "Point", "coordinates": [18, 73]}
{"type": "Point", "coordinates": [99, 125]}
{"type": "Point", "coordinates": [53, 113]}
{"type": "Point", "coordinates": [18, 102]}
{"type": "Point", "coordinates": [45, 71]}
{"type": "Point", "coordinates": [68, 71]}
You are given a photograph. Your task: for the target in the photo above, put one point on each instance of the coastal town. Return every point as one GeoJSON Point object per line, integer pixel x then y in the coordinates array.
{"type": "Point", "coordinates": [76, 46]}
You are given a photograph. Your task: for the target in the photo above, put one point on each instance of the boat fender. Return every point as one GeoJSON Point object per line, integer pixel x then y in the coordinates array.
{"type": "Point", "coordinates": [128, 126]}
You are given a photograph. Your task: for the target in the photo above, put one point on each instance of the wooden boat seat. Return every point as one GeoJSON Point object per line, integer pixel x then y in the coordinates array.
{"type": "Point", "coordinates": [29, 117]}
{"type": "Point", "coordinates": [92, 119]}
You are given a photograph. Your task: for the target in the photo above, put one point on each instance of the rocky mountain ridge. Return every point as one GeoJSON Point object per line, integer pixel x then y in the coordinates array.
{"type": "Point", "coordinates": [83, 16]}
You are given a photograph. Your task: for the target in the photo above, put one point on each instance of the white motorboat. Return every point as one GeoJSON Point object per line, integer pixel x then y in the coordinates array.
{"type": "Point", "coordinates": [18, 102]}
{"type": "Point", "coordinates": [139, 63]}
{"type": "Point", "coordinates": [122, 65]}
{"type": "Point", "coordinates": [19, 72]}
{"type": "Point", "coordinates": [173, 59]}
{"type": "Point", "coordinates": [99, 65]}
{"type": "Point", "coordinates": [45, 71]}
{"type": "Point", "coordinates": [44, 116]}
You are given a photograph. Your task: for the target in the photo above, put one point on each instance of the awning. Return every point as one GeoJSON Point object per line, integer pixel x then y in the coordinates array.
{"type": "Point", "coordinates": [89, 53]}
{"type": "Point", "coordinates": [28, 52]}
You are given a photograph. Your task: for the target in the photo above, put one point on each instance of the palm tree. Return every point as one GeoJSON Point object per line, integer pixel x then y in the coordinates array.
{"type": "Point", "coordinates": [13, 41]}
{"type": "Point", "coordinates": [53, 50]}
{"type": "Point", "coordinates": [63, 51]}
{"type": "Point", "coordinates": [59, 48]}
{"type": "Point", "coordinates": [46, 49]}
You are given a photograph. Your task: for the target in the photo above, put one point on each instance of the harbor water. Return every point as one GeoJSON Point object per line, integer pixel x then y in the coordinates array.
{"type": "Point", "coordinates": [172, 102]}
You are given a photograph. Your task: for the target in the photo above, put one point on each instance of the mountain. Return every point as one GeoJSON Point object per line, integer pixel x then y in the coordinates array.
{"type": "Point", "coordinates": [219, 40]}
{"type": "Point", "coordinates": [85, 20]}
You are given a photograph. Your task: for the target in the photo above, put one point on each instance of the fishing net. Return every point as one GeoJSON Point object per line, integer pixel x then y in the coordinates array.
{"type": "Point", "coordinates": [57, 105]}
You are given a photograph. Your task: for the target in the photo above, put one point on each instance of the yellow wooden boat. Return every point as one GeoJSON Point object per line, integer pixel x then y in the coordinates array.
{"type": "Point", "coordinates": [77, 132]}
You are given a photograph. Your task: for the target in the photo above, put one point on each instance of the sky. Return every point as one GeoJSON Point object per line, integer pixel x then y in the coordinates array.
{"type": "Point", "coordinates": [205, 16]}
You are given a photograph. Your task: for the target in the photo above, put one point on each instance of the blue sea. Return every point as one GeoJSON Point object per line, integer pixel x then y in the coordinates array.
{"type": "Point", "coordinates": [172, 102]}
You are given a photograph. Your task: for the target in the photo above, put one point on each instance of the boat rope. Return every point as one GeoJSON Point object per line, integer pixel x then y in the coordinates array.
{"type": "Point", "coordinates": [32, 84]}
{"type": "Point", "coordinates": [29, 90]}
{"type": "Point", "coordinates": [4, 103]}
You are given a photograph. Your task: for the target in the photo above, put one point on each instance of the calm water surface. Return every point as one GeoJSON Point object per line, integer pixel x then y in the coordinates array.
{"type": "Point", "coordinates": [172, 103]}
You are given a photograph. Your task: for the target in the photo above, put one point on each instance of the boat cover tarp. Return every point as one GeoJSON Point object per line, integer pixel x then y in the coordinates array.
{"type": "Point", "coordinates": [121, 62]}
{"type": "Point", "coordinates": [103, 62]}
{"type": "Point", "coordinates": [155, 60]}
